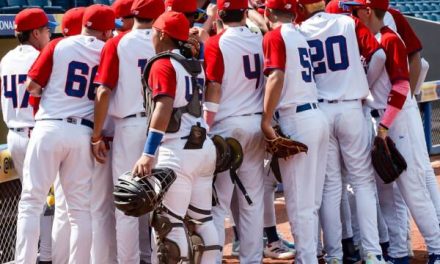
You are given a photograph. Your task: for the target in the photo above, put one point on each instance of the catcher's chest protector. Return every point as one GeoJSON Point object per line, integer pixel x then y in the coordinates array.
{"type": "Point", "coordinates": [194, 107]}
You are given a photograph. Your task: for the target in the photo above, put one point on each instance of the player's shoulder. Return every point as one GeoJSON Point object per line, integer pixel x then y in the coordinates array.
{"type": "Point", "coordinates": [388, 35]}
{"type": "Point", "coordinates": [213, 41]}
{"type": "Point", "coordinates": [273, 34]}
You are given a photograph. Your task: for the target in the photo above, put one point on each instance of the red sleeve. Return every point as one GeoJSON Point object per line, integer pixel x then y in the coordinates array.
{"type": "Point", "coordinates": [397, 60]}
{"type": "Point", "coordinates": [42, 68]}
{"type": "Point", "coordinates": [35, 103]}
{"type": "Point", "coordinates": [162, 79]}
{"type": "Point", "coordinates": [368, 44]}
{"type": "Point", "coordinates": [214, 65]}
{"type": "Point", "coordinates": [274, 51]}
{"type": "Point", "coordinates": [108, 71]}
{"type": "Point", "coordinates": [409, 37]}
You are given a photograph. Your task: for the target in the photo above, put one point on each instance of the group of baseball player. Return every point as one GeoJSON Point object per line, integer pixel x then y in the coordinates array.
{"type": "Point", "coordinates": [144, 85]}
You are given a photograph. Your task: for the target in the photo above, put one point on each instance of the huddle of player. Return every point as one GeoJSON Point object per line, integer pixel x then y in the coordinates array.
{"type": "Point", "coordinates": [76, 119]}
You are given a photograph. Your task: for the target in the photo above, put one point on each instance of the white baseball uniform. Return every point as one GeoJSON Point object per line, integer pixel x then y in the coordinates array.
{"type": "Point", "coordinates": [19, 118]}
{"type": "Point", "coordinates": [234, 59]}
{"type": "Point", "coordinates": [191, 192]}
{"type": "Point", "coordinates": [102, 210]}
{"type": "Point", "coordinates": [60, 142]}
{"type": "Point", "coordinates": [300, 119]}
{"type": "Point", "coordinates": [123, 60]}
{"type": "Point", "coordinates": [337, 42]}
{"type": "Point", "coordinates": [405, 132]}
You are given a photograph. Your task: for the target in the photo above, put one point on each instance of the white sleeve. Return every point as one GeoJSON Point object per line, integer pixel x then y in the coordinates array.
{"type": "Point", "coordinates": [376, 66]}
{"type": "Point", "coordinates": [422, 76]}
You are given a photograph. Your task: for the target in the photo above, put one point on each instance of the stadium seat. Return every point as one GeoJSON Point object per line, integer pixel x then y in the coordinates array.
{"type": "Point", "coordinates": [39, 3]}
{"type": "Point", "coordinates": [11, 9]}
{"type": "Point", "coordinates": [402, 8]}
{"type": "Point", "coordinates": [64, 4]}
{"type": "Point", "coordinates": [104, 2]}
{"type": "Point", "coordinates": [54, 9]}
{"type": "Point", "coordinates": [80, 2]}
{"type": "Point", "coordinates": [14, 3]}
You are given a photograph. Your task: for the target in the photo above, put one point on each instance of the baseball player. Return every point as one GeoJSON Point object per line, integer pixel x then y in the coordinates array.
{"type": "Point", "coordinates": [122, 62]}
{"type": "Point", "coordinates": [32, 29]}
{"type": "Point", "coordinates": [291, 92]}
{"type": "Point", "coordinates": [178, 142]}
{"type": "Point", "coordinates": [336, 44]}
{"type": "Point", "coordinates": [122, 9]}
{"type": "Point", "coordinates": [233, 107]}
{"type": "Point", "coordinates": [60, 139]}
{"type": "Point", "coordinates": [393, 109]}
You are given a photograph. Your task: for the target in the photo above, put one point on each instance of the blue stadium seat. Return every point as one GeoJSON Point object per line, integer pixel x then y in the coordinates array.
{"type": "Point", "coordinates": [104, 2]}
{"type": "Point", "coordinates": [63, 3]}
{"type": "Point", "coordinates": [402, 8]}
{"type": "Point", "coordinates": [39, 3]}
{"type": "Point", "coordinates": [414, 7]}
{"type": "Point", "coordinates": [11, 9]}
{"type": "Point", "coordinates": [80, 2]}
{"type": "Point", "coordinates": [13, 3]}
{"type": "Point", "coordinates": [54, 9]}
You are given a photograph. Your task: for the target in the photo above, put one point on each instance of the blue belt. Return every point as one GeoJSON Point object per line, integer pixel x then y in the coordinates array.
{"type": "Point", "coordinates": [305, 107]}
{"type": "Point", "coordinates": [141, 114]}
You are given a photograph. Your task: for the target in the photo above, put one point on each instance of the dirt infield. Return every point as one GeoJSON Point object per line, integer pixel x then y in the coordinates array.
{"type": "Point", "coordinates": [419, 248]}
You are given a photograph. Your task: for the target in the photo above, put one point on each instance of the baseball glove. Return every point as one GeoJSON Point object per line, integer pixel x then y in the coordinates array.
{"type": "Point", "coordinates": [387, 160]}
{"type": "Point", "coordinates": [284, 147]}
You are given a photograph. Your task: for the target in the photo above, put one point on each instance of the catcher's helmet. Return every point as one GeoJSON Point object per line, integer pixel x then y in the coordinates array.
{"type": "Point", "coordinates": [138, 196]}
{"type": "Point", "coordinates": [223, 160]}
{"type": "Point", "coordinates": [236, 153]}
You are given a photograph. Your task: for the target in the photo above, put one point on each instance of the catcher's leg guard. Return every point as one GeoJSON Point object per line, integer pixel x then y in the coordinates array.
{"type": "Point", "coordinates": [203, 236]}
{"type": "Point", "coordinates": [168, 251]}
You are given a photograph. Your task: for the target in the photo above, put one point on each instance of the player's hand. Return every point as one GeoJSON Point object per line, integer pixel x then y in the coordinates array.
{"type": "Point", "coordinates": [143, 166]}
{"type": "Point", "coordinates": [268, 130]}
{"type": "Point", "coordinates": [99, 151]}
{"type": "Point", "coordinates": [211, 10]}
{"type": "Point", "coordinates": [382, 132]}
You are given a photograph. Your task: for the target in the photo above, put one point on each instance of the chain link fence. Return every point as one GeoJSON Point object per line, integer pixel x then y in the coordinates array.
{"type": "Point", "coordinates": [9, 198]}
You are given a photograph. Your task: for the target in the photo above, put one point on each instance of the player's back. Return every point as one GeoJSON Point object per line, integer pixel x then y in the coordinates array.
{"type": "Point", "coordinates": [14, 67]}
{"type": "Point", "coordinates": [242, 79]}
{"type": "Point", "coordinates": [334, 51]}
{"type": "Point", "coordinates": [133, 51]}
{"type": "Point", "coordinates": [70, 91]}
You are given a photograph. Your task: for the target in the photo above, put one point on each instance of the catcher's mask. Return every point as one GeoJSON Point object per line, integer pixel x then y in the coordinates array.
{"type": "Point", "coordinates": [138, 196]}
{"type": "Point", "coordinates": [223, 160]}
{"type": "Point", "coordinates": [236, 153]}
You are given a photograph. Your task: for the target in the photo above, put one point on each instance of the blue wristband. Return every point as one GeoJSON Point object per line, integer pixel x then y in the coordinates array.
{"type": "Point", "coordinates": [154, 138]}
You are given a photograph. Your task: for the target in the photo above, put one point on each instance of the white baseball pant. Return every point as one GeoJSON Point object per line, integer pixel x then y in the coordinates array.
{"type": "Point", "coordinates": [303, 178]}
{"type": "Point", "coordinates": [349, 138]}
{"type": "Point", "coordinates": [56, 146]}
{"type": "Point", "coordinates": [129, 139]}
{"type": "Point", "coordinates": [194, 169]}
{"type": "Point", "coordinates": [270, 186]}
{"type": "Point", "coordinates": [412, 186]}
{"type": "Point", "coordinates": [246, 129]}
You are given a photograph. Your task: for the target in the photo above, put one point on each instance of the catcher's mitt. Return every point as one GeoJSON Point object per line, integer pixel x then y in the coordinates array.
{"type": "Point", "coordinates": [387, 160]}
{"type": "Point", "coordinates": [284, 147]}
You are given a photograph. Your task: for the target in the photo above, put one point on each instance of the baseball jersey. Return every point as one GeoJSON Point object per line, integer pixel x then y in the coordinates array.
{"type": "Point", "coordinates": [396, 68]}
{"type": "Point", "coordinates": [234, 59]}
{"type": "Point", "coordinates": [287, 50]}
{"type": "Point", "coordinates": [66, 69]}
{"type": "Point", "coordinates": [409, 37]}
{"type": "Point", "coordinates": [169, 78]}
{"type": "Point", "coordinates": [123, 60]}
{"type": "Point", "coordinates": [14, 67]}
{"type": "Point", "coordinates": [336, 45]}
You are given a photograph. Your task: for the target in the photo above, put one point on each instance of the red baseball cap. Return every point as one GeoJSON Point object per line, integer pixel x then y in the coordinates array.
{"type": "Point", "coordinates": [147, 9]}
{"type": "Point", "coordinates": [174, 24]}
{"type": "Point", "coordinates": [232, 4]}
{"type": "Point", "coordinates": [374, 4]}
{"type": "Point", "coordinates": [283, 5]}
{"type": "Point", "coordinates": [72, 21]}
{"type": "Point", "coordinates": [32, 18]}
{"type": "Point", "coordinates": [122, 8]}
{"type": "Point", "coordinates": [184, 6]}
{"type": "Point", "coordinates": [335, 7]}
{"type": "Point", "coordinates": [99, 17]}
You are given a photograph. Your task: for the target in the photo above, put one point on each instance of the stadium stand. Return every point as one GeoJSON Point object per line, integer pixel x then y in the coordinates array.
{"type": "Point", "coordinates": [429, 10]}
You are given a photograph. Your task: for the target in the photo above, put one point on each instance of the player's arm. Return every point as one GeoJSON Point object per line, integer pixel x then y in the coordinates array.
{"type": "Point", "coordinates": [272, 95]}
{"type": "Point", "coordinates": [107, 78]}
{"type": "Point", "coordinates": [397, 69]}
{"type": "Point", "coordinates": [33, 88]}
{"type": "Point", "coordinates": [214, 68]}
{"type": "Point", "coordinates": [274, 65]}
{"type": "Point", "coordinates": [258, 19]}
{"type": "Point", "coordinates": [163, 83]}
{"type": "Point", "coordinates": [415, 68]}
